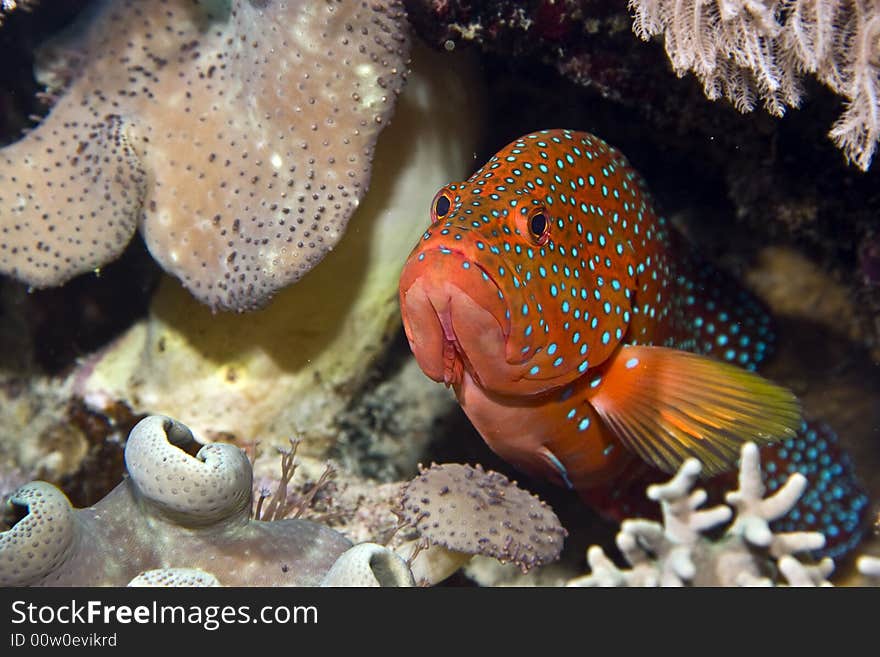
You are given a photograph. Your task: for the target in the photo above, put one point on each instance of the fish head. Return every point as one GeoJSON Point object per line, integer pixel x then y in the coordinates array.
{"type": "Point", "coordinates": [504, 282]}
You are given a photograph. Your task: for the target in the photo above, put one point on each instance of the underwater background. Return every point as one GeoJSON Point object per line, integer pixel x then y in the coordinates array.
{"type": "Point", "coordinates": [206, 208]}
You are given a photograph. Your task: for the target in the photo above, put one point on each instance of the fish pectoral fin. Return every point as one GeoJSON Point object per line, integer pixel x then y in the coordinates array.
{"type": "Point", "coordinates": [668, 405]}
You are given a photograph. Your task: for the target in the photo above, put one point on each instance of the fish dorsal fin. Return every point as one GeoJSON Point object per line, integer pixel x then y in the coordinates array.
{"type": "Point", "coordinates": [668, 405]}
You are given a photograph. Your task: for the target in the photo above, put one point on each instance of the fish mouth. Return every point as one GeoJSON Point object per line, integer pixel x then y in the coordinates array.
{"type": "Point", "coordinates": [454, 356]}
{"type": "Point", "coordinates": [451, 306]}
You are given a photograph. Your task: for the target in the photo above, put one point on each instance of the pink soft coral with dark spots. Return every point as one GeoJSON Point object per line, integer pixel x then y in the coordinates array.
{"type": "Point", "coordinates": [238, 139]}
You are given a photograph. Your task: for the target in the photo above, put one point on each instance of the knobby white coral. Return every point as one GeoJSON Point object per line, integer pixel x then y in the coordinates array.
{"type": "Point", "coordinates": [677, 552]}
{"type": "Point", "coordinates": [750, 49]}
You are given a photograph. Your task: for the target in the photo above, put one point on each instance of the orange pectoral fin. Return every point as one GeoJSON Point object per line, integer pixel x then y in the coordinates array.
{"type": "Point", "coordinates": [668, 405]}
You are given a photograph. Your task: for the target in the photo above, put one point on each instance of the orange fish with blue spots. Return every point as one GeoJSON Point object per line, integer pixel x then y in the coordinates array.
{"type": "Point", "coordinates": [580, 334]}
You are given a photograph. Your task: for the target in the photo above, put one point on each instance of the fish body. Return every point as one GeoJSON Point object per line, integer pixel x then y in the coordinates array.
{"type": "Point", "coordinates": [582, 336]}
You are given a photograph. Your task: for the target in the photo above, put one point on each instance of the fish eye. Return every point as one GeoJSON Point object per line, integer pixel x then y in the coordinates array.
{"type": "Point", "coordinates": [441, 205]}
{"type": "Point", "coordinates": [539, 226]}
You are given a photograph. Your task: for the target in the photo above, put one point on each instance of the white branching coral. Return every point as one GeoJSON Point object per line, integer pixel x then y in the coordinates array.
{"type": "Point", "coordinates": [746, 50]}
{"type": "Point", "coordinates": [677, 551]}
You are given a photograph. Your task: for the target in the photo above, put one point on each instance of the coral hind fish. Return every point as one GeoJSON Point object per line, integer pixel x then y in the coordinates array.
{"type": "Point", "coordinates": [581, 335]}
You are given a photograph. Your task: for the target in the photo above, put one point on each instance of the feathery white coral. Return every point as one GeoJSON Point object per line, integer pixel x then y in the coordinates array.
{"type": "Point", "coordinates": [747, 50]}
{"type": "Point", "coordinates": [857, 78]}
{"type": "Point", "coordinates": [676, 552]}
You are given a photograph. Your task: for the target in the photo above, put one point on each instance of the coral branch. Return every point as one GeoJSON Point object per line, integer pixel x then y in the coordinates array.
{"type": "Point", "coordinates": [677, 552]}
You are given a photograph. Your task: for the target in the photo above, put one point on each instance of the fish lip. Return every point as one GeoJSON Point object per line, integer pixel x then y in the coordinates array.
{"type": "Point", "coordinates": [454, 358]}
{"type": "Point", "coordinates": [455, 365]}
{"type": "Point", "coordinates": [440, 249]}
{"type": "Point", "coordinates": [505, 327]}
